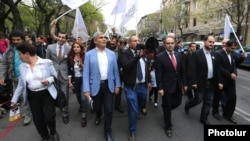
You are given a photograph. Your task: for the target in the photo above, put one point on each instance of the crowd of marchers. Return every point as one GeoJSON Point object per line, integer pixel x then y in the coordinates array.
{"type": "Point", "coordinates": [99, 70]}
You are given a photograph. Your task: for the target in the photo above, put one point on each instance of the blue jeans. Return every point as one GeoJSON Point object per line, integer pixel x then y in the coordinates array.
{"type": "Point", "coordinates": [82, 100]}
{"type": "Point", "coordinates": [136, 98]}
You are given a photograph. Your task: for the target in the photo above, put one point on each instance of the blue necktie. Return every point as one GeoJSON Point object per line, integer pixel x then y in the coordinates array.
{"type": "Point", "coordinates": [139, 71]}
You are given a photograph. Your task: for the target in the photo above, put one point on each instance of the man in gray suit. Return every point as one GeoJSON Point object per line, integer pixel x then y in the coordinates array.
{"type": "Point", "coordinates": [58, 53]}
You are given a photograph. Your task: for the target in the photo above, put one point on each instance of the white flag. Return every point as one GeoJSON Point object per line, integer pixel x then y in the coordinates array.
{"type": "Point", "coordinates": [129, 13]}
{"type": "Point", "coordinates": [122, 31]}
{"type": "Point", "coordinates": [79, 29]}
{"type": "Point", "coordinates": [227, 28]}
{"type": "Point", "coordinates": [120, 7]}
{"type": "Point", "coordinates": [73, 4]}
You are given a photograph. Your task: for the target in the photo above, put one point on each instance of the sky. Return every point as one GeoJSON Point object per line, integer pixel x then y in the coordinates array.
{"type": "Point", "coordinates": [144, 7]}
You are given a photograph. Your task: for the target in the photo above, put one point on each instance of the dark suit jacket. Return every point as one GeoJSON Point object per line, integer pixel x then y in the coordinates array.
{"type": "Point", "coordinates": [167, 78]}
{"type": "Point", "coordinates": [199, 69]}
{"type": "Point", "coordinates": [129, 68]}
{"type": "Point", "coordinates": [225, 68]}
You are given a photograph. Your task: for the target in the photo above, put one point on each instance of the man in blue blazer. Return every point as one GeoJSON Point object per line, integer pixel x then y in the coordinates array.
{"type": "Point", "coordinates": [101, 80]}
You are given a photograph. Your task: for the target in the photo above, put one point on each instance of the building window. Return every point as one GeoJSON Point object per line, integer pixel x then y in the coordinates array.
{"type": "Point", "coordinates": [194, 22]}
{"type": "Point", "coordinates": [186, 24]}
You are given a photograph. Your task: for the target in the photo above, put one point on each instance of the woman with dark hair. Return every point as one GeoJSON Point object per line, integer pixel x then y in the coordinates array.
{"type": "Point", "coordinates": [75, 64]}
{"type": "Point", "coordinates": [35, 85]}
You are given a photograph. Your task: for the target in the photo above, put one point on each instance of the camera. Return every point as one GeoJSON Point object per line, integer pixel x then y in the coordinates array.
{"type": "Point", "coordinates": [140, 46]}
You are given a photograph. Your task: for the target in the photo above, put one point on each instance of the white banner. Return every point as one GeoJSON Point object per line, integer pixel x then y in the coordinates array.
{"type": "Point", "coordinates": [120, 7]}
{"type": "Point", "coordinates": [79, 29]}
{"type": "Point", "coordinates": [227, 28]}
{"type": "Point", "coordinates": [73, 4]}
{"type": "Point", "coordinates": [129, 13]}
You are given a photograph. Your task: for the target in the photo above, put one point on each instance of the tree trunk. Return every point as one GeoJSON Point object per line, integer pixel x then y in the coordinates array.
{"type": "Point", "coordinates": [2, 17]}
{"type": "Point", "coordinates": [17, 21]}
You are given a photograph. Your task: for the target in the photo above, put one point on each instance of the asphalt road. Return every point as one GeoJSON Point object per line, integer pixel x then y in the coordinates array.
{"type": "Point", "coordinates": [150, 127]}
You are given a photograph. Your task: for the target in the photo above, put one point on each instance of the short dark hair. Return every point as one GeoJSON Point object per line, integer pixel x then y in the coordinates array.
{"type": "Point", "coordinates": [63, 32]}
{"type": "Point", "coordinates": [27, 47]}
{"type": "Point", "coordinates": [192, 43]}
{"type": "Point", "coordinates": [16, 34]}
{"type": "Point", "coordinates": [206, 37]}
{"type": "Point", "coordinates": [230, 43]}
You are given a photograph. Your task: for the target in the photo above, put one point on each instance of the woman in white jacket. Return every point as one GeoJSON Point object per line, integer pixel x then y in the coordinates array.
{"type": "Point", "coordinates": [35, 84]}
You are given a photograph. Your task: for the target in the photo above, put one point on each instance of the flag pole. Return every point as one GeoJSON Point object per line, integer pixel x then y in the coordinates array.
{"type": "Point", "coordinates": [65, 13]}
{"type": "Point", "coordinates": [235, 34]}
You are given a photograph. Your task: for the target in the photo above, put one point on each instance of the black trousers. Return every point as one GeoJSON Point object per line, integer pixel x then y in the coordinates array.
{"type": "Point", "coordinates": [230, 93]}
{"type": "Point", "coordinates": [105, 98]}
{"type": "Point", "coordinates": [169, 103]}
{"type": "Point", "coordinates": [42, 107]}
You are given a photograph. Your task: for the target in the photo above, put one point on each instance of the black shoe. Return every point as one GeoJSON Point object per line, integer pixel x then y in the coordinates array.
{"type": "Point", "coordinates": [119, 109]}
{"type": "Point", "coordinates": [108, 137]}
{"type": "Point", "coordinates": [143, 112]}
{"type": "Point", "coordinates": [168, 133]}
{"type": "Point", "coordinates": [80, 109]}
{"type": "Point", "coordinates": [65, 119]}
{"type": "Point", "coordinates": [205, 122]}
{"type": "Point", "coordinates": [84, 122]}
{"type": "Point", "coordinates": [97, 121]}
{"type": "Point", "coordinates": [55, 137]}
{"type": "Point", "coordinates": [231, 119]}
{"type": "Point", "coordinates": [186, 108]}
{"type": "Point", "coordinates": [131, 137]}
{"type": "Point", "coordinates": [217, 116]}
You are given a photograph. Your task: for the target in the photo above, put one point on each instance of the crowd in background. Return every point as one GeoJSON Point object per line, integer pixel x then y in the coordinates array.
{"type": "Point", "coordinates": [99, 71]}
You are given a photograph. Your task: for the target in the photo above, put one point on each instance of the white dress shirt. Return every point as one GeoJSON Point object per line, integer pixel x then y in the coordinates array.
{"type": "Point", "coordinates": [103, 63]}
{"type": "Point", "coordinates": [209, 63]}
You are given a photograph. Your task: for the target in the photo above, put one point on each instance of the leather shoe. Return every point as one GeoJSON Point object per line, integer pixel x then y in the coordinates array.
{"type": "Point", "coordinates": [205, 122]}
{"type": "Point", "coordinates": [84, 122]}
{"type": "Point", "coordinates": [168, 133]}
{"type": "Point", "coordinates": [217, 116]}
{"type": "Point", "coordinates": [186, 108]}
{"type": "Point", "coordinates": [131, 137]}
{"type": "Point", "coordinates": [143, 111]}
{"type": "Point", "coordinates": [119, 109]}
{"type": "Point", "coordinates": [231, 119]}
{"type": "Point", "coordinates": [108, 137]}
{"type": "Point", "coordinates": [65, 119]}
{"type": "Point", "coordinates": [97, 121]}
{"type": "Point", "coordinates": [55, 137]}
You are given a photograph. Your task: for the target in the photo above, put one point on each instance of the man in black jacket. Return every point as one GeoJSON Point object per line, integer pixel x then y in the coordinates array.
{"type": "Point", "coordinates": [41, 47]}
{"type": "Point", "coordinates": [203, 78]}
{"type": "Point", "coordinates": [136, 80]}
{"type": "Point", "coordinates": [170, 78]}
{"type": "Point", "coordinates": [227, 61]}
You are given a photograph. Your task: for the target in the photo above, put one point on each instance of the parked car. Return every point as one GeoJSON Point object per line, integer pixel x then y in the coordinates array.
{"type": "Point", "coordinates": [200, 44]}
{"type": "Point", "coordinates": [246, 61]}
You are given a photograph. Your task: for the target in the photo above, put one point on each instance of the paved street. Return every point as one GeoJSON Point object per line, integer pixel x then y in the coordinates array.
{"type": "Point", "coordinates": [150, 127]}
